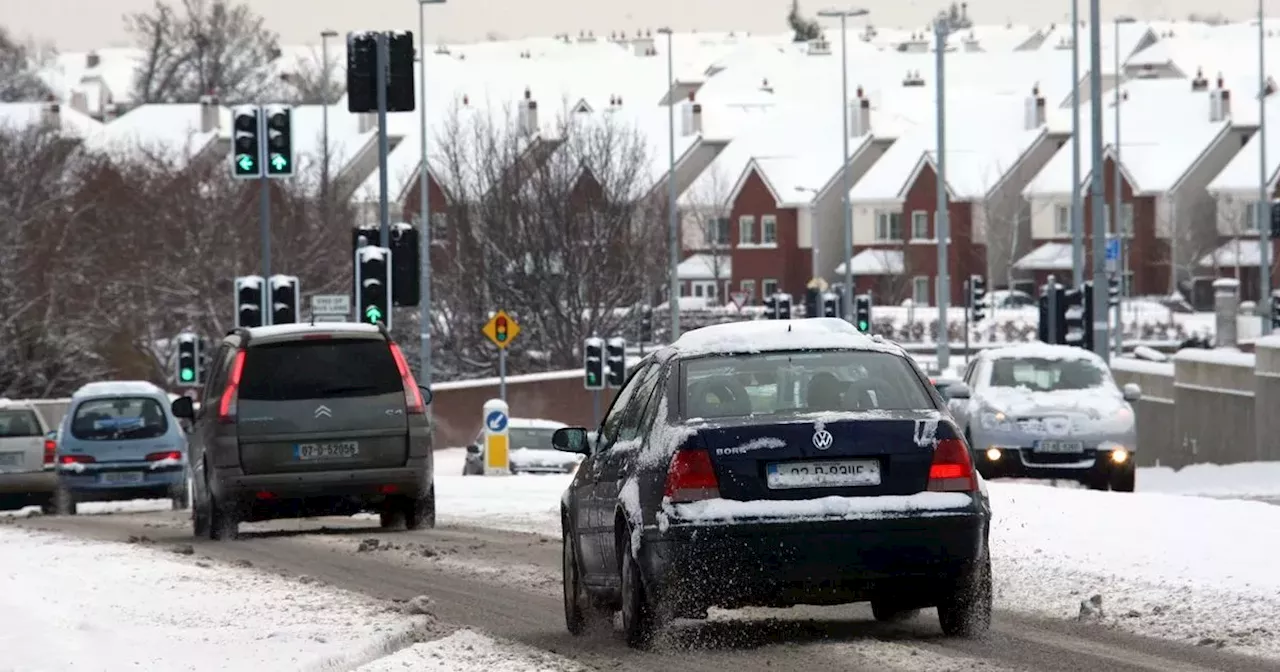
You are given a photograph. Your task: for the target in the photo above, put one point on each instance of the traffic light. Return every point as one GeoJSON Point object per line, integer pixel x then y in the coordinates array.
{"type": "Point", "coordinates": [1051, 298]}
{"type": "Point", "coordinates": [616, 352]}
{"type": "Point", "coordinates": [362, 72]}
{"type": "Point", "coordinates": [373, 285]}
{"type": "Point", "coordinates": [977, 298]}
{"type": "Point", "coordinates": [187, 363]}
{"type": "Point", "coordinates": [285, 299]}
{"type": "Point", "coordinates": [249, 300]}
{"type": "Point", "coordinates": [593, 364]}
{"type": "Point", "coordinates": [771, 307]}
{"type": "Point", "coordinates": [501, 329]}
{"type": "Point", "coordinates": [246, 142]}
{"type": "Point", "coordinates": [1074, 324]}
{"type": "Point", "coordinates": [646, 324]}
{"type": "Point", "coordinates": [862, 312]}
{"type": "Point", "coordinates": [400, 79]}
{"type": "Point", "coordinates": [1275, 219]}
{"type": "Point", "coordinates": [784, 305]}
{"type": "Point", "coordinates": [830, 303]}
{"type": "Point", "coordinates": [406, 269]}
{"type": "Point", "coordinates": [279, 140]}
{"type": "Point", "coordinates": [1113, 290]}
{"type": "Point", "coordinates": [812, 302]}
{"type": "Point", "coordinates": [1275, 310]}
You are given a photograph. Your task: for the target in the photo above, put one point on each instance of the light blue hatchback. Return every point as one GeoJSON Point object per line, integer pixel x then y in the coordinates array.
{"type": "Point", "coordinates": [120, 441]}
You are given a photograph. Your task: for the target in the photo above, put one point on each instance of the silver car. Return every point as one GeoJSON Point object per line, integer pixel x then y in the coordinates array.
{"type": "Point", "coordinates": [1047, 412]}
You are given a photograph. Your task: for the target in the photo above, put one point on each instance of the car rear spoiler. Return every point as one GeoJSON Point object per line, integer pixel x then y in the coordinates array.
{"type": "Point", "coordinates": [243, 333]}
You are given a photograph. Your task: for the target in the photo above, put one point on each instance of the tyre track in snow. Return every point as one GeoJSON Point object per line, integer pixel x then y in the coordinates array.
{"type": "Point", "coordinates": [801, 639]}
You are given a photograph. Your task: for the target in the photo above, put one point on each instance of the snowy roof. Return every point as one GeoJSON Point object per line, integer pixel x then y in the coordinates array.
{"type": "Point", "coordinates": [1039, 351]}
{"type": "Point", "coordinates": [1240, 252]}
{"type": "Point", "coordinates": [21, 116]}
{"type": "Point", "coordinates": [117, 388]}
{"type": "Point", "coordinates": [875, 261]}
{"type": "Point", "coordinates": [1047, 257]}
{"type": "Point", "coordinates": [275, 331]}
{"type": "Point", "coordinates": [1240, 176]}
{"type": "Point", "coordinates": [823, 333]}
{"type": "Point", "coordinates": [705, 267]}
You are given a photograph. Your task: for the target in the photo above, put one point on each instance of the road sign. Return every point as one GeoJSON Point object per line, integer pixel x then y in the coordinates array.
{"type": "Point", "coordinates": [330, 304]}
{"type": "Point", "coordinates": [496, 436]}
{"type": "Point", "coordinates": [496, 420]}
{"type": "Point", "coordinates": [1113, 249]}
{"type": "Point", "coordinates": [501, 329]}
{"type": "Point", "coordinates": [738, 299]}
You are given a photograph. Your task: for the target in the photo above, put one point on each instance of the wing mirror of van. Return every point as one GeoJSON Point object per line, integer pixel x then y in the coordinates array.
{"type": "Point", "coordinates": [182, 407]}
{"type": "Point", "coordinates": [958, 391]}
{"type": "Point", "coordinates": [474, 449]}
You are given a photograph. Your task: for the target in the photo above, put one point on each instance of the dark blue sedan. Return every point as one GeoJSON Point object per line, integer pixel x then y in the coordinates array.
{"type": "Point", "coordinates": [775, 463]}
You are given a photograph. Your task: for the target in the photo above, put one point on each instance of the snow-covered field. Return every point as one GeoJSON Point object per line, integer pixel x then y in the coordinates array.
{"type": "Point", "coordinates": [470, 651]}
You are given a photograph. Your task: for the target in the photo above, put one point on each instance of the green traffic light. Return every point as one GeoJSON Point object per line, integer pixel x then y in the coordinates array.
{"type": "Point", "coordinates": [187, 375]}
{"type": "Point", "coordinates": [246, 162]}
{"type": "Point", "coordinates": [862, 326]}
{"type": "Point", "coordinates": [373, 313]}
{"type": "Point", "coordinates": [279, 163]}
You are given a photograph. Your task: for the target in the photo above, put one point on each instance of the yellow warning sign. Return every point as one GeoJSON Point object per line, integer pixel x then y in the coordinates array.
{"type": "Point", "coordinates": [495, 452]}
{"type": "Point", "coordinates": [501, 329]}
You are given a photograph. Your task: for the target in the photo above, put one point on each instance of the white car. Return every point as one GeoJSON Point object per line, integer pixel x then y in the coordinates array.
{"type": "Point", "coordinates": [27, 450]}
{"type": "Point", "coordinates": [531, 450]}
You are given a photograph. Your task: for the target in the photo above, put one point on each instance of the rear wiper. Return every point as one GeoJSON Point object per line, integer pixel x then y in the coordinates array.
{"type": "Point", "coordinates": [343, 390]}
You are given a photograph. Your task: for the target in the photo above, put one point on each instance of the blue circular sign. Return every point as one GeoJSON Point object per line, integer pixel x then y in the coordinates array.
{"type": "Point", "coordinates": [496, 421]}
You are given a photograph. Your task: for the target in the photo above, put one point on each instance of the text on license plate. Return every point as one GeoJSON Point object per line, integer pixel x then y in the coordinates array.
{"type": "Point", "coordinates": [10, 459]}
{"type": "Point", "coordinates": [326, 451]}
{"type": "Point", "coordinates": [824, 474]}
{"type": "Point", "coordinates": [1056, 446]}
{"type": "Point", "coordinates": [117, 477]}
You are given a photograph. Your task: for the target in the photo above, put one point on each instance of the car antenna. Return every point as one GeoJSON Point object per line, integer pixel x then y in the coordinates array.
{"type": "Point", "coordinates": [313, 319]}
{"type": "Point", "coordinates": [788, 328]}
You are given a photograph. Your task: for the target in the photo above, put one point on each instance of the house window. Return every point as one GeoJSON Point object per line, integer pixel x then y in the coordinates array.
{"type": "Point", "coordinates": [718, 231]}
{"type": "Point", "coordinates": [1250, 223]}
{"type": "Point", "coordinates": [1061, 220]}
{"type": "Point", "coordinates": [1126, 220]}
{"type": "Point", "coordinates": [749, 288]}
{"type": "Point", "coordinates": [439, 227]}
{"type": "Point", "coordinates": [920, 290]}
{"type": "Point", "coordinates": [919, 225]}
{"type": "Point", "coordinates": [705, 289]}
{"type": "Point", "coordinates": [888, 226]}
{"type": "Point", "coordinates": [769, 230]}
{"type": "Point", "coordinates": [769, 287]}
{"type": "Point", "coordinates": [747, 230]}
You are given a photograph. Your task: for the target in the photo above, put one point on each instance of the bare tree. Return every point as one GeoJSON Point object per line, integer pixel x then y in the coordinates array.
{"type": "Point", "coordinates": [201, 47]}
{"type": "Point", "coordinates": [1233, 222]}
{"type": "Point", "coordinates": [19, 70]}
{"type": "Point", "coordinates": [310, 80]}
{"type": "Point", "coordinates": [707, 217]}
{"type": "Point", "coordinates": [1006, 217]}
{"type": "Point", "coordinates": [1193, 233]}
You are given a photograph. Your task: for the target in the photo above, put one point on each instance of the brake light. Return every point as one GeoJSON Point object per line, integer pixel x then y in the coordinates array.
{"type": "Point", "coordinates": [166, 455]}
{"type": "Point", "coordinates": [952, 468]}
{"type": "Point", "coordinates": [76, 459]}
{"type": "Point", "coordinates": [412, 395]}
{"type": "Point", "coordinates": [691, 477]}
{"type": "Point", "coordinates": [50, 451]}
{"type": "Point", "coordinates": [227, 405]}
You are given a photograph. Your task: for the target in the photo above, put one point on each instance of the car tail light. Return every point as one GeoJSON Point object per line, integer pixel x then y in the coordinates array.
{"type": "Point", "coordinates": [230, 394]}
{"type": "Point", "coordinates": [952, 468]}
{"type": "Point", "coordinates": [691, 477]}
{"type": "Point", "coordinates": [77, 459]}
{"type": "Point", "coordinates": [412, 395]}
{"type": "Point", "coordinates": [166, 455]}
{"type": "Point", "coordinates": [50, 451]}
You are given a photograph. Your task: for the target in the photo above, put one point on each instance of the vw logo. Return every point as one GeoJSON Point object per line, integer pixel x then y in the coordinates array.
{"type": "Point", "coordinates": [323, 412]}
{"type": "Point", "coordinates": [822, 439]}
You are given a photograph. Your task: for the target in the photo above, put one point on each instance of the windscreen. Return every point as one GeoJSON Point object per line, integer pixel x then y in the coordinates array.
{"type": "Point", "coordinates": [1047, 375]}
{"type": "Point", "coordinates": [534, 439]}
{"type": "Point", "coordinates": [119, 418]}
{"type": "Point", "coordinates": [18, 423]}
{"type": "Point", "coordinates": [769, 384]}
{"type": "Point", "coordinates": [319, 369]}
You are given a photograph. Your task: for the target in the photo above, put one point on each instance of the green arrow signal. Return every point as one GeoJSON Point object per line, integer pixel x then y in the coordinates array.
{"type": "Point", "coordinates": [245, 162]}
{"type": "Point", "coordinates": [279, 162]}
{"type": "Point", "coordinates": [187, 375]}
{"type": "Point", "coordinates": [374, 313]}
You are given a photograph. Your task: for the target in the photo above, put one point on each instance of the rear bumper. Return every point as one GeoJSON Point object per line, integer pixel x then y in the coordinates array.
{"type": "Point", "coordinates": [28, 483]}
{"type": "Point", "coordinates": [1022, 463]}
{"type": "Point", "coordinates": [821, 562]}
{"type": "Point", "coordinates": [414, 480]}
{"type": "Point", "coordinates": [90, 483]}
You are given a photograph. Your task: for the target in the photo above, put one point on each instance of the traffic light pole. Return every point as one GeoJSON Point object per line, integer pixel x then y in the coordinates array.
{"type": "Point", "coordinates": [942, 228]}
{"type": "Point", "coordinates": [384, 217]}
{"type": "Point", "coordinates": [502, 374]}
{"type": "Point", "coordinates": [264, 207]}
{"type": "Point", "coordinates": [968, 306]}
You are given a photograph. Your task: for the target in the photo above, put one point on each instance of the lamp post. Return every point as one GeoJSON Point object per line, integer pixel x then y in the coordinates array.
{"type": "Point", "coordinates": [324, 88]}
{"type": "Point", "coordinates": [1264, 179]}
{"type": "Point", "coordinates": [424, 207]}
{"type": "Point", "coordinates": [1077, 211]}
{"type": "Point", "coordinates": [673, 231]}
{"type": "Point", "coordinates": [941, 218]}
{"type": "Point", "coordinates": [1098, 189]}
{"type": "Point", "coordinates": [1122, 264]}
{"type": "Point", "coordinates": [844, 15]}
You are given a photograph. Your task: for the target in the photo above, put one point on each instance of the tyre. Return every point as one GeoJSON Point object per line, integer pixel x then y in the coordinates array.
{"type": "Point", "coordinates": [224, 524]}
{"type": "Point", "coordinates": [64, 502]}
{"type": "Point", "coordinates": [1125, 479]}
{"type": "Point", "coordinates": [579, 613]}
{"type": "Point", "coordinates": [48, 509]}
{"type": "Point", "coordinates": [420, 513]}
{"type": "Point", "coordinates": [1097, 481]}
{"type": "Point", "coordinates": [391, 518]}
{"type": "Point", "coordinates": [641, 616]}
{"type": "Point", "coordinates": [201, 521]}
{"type": "Point", "coordinates": [886, 611]}
{"type": "Point", "coordinates": [965, 610]}
{"type": "Point", "coordinates": [180, 497]}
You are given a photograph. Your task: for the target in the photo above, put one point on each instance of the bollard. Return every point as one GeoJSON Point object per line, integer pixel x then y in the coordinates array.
{"type": "Point", "coordinates": [1226, 305]}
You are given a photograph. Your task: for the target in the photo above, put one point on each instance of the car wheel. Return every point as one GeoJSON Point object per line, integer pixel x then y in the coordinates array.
{"type": "Point", "coordinates": [965, 610]}
{"type": "Point", "coordinates": [224, 524]}
{"type": "Point", "coordinates": [1124, 480]}
{"type": "Point", "coordinates": [886, 611]}
{"type": "Point", "coordinates": [391, 518]}
{"type": "Point", "coordinates": [1097, 481]}
{"type": "Point", "coordinates": [200, 521]}
{"type": "Point", "coordinates": [420, 513]}
{"type": "Point", "coordinates": [641, 617]}
{"type": "Point", "coordinates": [179, 497]}
{"type": "Point", "coordinates": [578, 611]}
{"type": "Point", "coordinates": [64, 502]}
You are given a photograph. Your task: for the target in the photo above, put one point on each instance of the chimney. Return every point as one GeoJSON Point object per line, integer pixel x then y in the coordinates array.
{"type": "Point", "coordinates": [691, 117]}
{"type": "Point", "coordinates": [913, 78]}
{"type": "Point", "coordinates": [859, 114]}
{"type": "Point", "coordinates": [1035, 110]}
{"type": "Point", "coordinates": [210, 113]}
{"type": "Point", "coordinates": [51, 116]}
{"type": "Point", "coordinates": [528, 117]}
{"type": "Point", "coordinates": [110, 112]}
{"type": "Point", "coordinates": [79, 101]}
{"type": "Point", "coordinates": [1226, 306]}
{"type": "Point", "coordinates": [92, 60]}
{"type": "Point", "coordinates": [1224, 100]}
{"type": "Point", "coordinates": [1199, 83]}
{"type": "Point", "coordinates": [764, 86]}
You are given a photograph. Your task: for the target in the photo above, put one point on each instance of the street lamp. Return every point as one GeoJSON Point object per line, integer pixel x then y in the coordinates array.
{"type": "Point", "coordinates": [424, 207]}
{"type": "Point", "coordinates": [324, 92]}
{"type": "Point", "coordinates": [941, 217]}
{"type": "Point", "coordinates": [673, 238]}
{"type": "Point", "coordinates": [1264, 198]}
{"type": "Point", "coordinates": [1077, 211]}
{"type": "Point", "coordinates": [1098, 187]}
{"type": "Point", "coordinates": [844, 15]}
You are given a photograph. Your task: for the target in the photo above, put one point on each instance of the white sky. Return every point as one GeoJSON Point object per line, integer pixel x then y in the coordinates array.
{"type": "Point", "coordinates": [80, 25]}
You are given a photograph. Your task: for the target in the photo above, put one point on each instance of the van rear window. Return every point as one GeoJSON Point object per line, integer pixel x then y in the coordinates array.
{"type": "Point", "coordinates": [319, 370]}
{"type": "Point", "coordinates": [116, 418]}
{"type": "Point", "coordinates": [18, 423]}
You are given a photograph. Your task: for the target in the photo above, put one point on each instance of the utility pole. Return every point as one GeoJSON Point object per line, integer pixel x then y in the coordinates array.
{"type": "Point", "coordinates": [673, 225]}
{"type": "Point", "coordinates": [941, 223]}
{"type": "Point", "coordinates": [1098, 188]}
{"type": "Point", "coordinates": [1077, 210]}
{"type": "Point", "coordinates": [1264, 181]}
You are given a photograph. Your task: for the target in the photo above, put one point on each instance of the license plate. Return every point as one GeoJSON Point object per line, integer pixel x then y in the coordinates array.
{"type": "Point", "coordinates": [824, 474]}
{"type": "Point", "coordinates": [326, 451]}
{"type": "Point", "coordinates": [1058, 447]}
{"type": "Point", "coordinates": [120, 477]}
{"type": "Point", "coordinates": [11, 459]}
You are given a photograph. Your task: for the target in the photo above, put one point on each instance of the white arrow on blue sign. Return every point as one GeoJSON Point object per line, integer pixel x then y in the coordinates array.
{"type": "Point", "coordinates": [496, 421]}
{"type": "Point", "coordinates": [1113, 249]}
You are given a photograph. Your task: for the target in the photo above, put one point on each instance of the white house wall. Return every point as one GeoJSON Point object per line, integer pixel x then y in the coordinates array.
{"type": "Point", "coordinates": [864, 220]}
{"type": "Point", "coordinates": [1042, 214]}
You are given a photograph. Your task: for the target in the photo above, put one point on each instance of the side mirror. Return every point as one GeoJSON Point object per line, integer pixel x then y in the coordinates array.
{"type": "Point", "coordinates": [426, 394]}
{"type": "Point", "coordinates": [474, 449]}
{"type": "Point", "coordinates": [571, 440]}
{"type": "Point", "coordinates": [1132, 392]}
{"type": "Point", "coordinates": [958, 391]}
{"type": "Point", "coordinates": [183, 408]}
{"type": "Point", "coordinates": [51, 436]}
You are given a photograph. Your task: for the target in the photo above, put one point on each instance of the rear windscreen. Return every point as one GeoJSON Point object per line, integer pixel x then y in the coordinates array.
{"type": "Point", "coordinates": [119, 418]}
{"type": "Point", "coordinates": [319, 369]}
{"type": "Point", "coordinates": [801, 382]}
{"type": "Point", "coordinates": [14, 424]}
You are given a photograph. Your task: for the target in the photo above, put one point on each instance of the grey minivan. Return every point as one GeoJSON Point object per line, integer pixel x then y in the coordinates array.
{"type": "Point", "coordinates": [306, 420]}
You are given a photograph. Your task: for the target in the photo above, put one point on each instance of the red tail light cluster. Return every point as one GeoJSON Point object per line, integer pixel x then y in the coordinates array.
{"type": "Point", "coordinates": [691, 477]}
{"type": "Point", "coordinates": [166, 455]}
{"type": "Point", "coordinates": [412, 395]}
{"type": "Point", "coordinates": [50, 451]}
{"type": "Point", "coordinates": [76, 459]}
{"type": "Point", "coordinates": [952, 468]}
{"type": "Point", "coordinates": [230, 394]}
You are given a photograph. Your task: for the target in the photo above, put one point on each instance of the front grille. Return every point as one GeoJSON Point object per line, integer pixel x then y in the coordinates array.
{"type": "Point", "coordinates": [1033, 458]}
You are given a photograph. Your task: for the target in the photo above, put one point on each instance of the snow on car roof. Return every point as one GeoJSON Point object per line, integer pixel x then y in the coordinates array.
{"type": "Point", "coordinates": [820, 333]}
{"type": "Point", "coordinates": [117, 387]}
{"type": "Point", "coordinates": [1040, 350]}
{"type": "Point", "coordinates": [534, 423]}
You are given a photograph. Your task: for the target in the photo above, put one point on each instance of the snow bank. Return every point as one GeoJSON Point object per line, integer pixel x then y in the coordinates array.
{"type": "Point", "coordinates": [1246, 479]}
{"type": "Point", "coordinates": [69, 604]}
{"type": "Point", "coordinates": [522, 503]}
{"type": "Point", "coordinates": [469, 651]}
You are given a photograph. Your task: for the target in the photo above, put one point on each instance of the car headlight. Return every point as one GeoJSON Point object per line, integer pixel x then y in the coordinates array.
{"type": "Point", "coordinates": [997, 421]}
